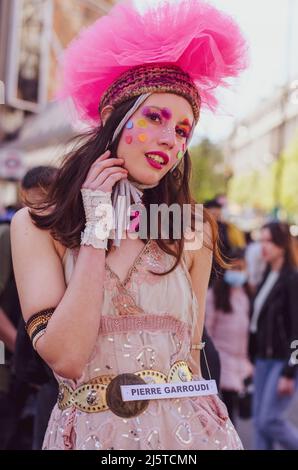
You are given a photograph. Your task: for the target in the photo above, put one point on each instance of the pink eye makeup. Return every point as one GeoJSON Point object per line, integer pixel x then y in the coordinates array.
{"type": "Point", "coordinates": [184, 128]}
{"type": "Point", "coordinates": [166, 113]}
{"type": "Point", "coordinates": [152, 114]}
{"type": "Point", "coordinates": [155, 113]}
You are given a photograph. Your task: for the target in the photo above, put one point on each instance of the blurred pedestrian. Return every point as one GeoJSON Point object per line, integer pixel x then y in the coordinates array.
{"type": "Point", "coordinates": [29, 366]}
{"type": "Point", "coordinates": [255, 263]}
{"type": "Point", "coordinates": [274, 326]}
{"type": "Point", "coordinates": [227, 322]}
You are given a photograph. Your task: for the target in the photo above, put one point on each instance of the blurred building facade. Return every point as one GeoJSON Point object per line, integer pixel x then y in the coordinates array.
{"type": "Point", "coordinates": [33, 34]}
{"type": "Point", "coordinates": [258, 142]}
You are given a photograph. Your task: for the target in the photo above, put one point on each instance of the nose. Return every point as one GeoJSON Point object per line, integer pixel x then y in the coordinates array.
{"type": "Point", "coordinates": [167, 137]}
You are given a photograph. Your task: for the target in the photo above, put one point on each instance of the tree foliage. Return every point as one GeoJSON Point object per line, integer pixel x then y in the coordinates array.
{"type": "Point", "coordinates": [209, 175]}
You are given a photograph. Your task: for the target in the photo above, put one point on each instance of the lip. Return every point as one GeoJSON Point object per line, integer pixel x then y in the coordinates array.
{"type": "Point", "coordinates": [155, 164]}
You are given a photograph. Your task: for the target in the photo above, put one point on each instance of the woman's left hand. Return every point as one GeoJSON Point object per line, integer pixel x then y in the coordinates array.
{"type": "Point", "coordinates": [285, 386]}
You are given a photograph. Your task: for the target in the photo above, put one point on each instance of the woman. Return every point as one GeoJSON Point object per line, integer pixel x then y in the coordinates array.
{"type": "Point", "coordinates": [274, 326]}
{"type": "Point", "coordinates": [227, 322]}
{"type": "Point", "coordinates": [121, 311]}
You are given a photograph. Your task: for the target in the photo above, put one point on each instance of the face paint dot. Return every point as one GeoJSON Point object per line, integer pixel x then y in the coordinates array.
{"type": "Point", "coordinates": [180, 154]}
{"type": "Point", "coordinates": [142, 137]}
{"type": "Point", "coordinates": [141, 123]}
{"type": "Point", "coordinates": [129, 125]}
{"type": "Point", "coordinates": [128, 139]}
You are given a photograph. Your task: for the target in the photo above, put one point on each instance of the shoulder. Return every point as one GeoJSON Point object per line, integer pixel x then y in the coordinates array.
{"type": "Point", "coordinates": [22, 223]}
{"type": "Point", "coordinates": [24, 230]}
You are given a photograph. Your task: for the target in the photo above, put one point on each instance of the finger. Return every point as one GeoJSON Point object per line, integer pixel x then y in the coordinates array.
{"type": "Point", "coordinates": [107, 163]}
{"type": "Point", "coordinates": [103, 156]}
{"type": "Point", "coordinates": [98, 167]}
{"type": "Point", "coordinates": [99, 162]}
{"type": "Point", "coordinates": [101, 178]}
{"type": "Point", "coordinates": [111, 181]}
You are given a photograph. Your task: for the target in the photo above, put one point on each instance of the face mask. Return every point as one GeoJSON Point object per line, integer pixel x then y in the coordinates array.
{"type": "Point", "coordinates": [235, 278]}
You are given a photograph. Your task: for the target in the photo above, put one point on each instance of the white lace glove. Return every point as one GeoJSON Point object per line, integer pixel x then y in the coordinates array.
{"type": "Point", "coordinates": [99, 218]}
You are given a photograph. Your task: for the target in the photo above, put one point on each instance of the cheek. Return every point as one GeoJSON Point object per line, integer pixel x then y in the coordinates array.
{"type": "Point", "coordinates": [136, 132]}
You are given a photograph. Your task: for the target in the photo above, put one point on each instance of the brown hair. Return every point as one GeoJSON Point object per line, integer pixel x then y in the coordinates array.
{"type": "Point", "coordinates": [281, 236]}
{"type": "Point", "coordinates": [62, 211]}
{"type": "Point", "coordinates": [222, 290]}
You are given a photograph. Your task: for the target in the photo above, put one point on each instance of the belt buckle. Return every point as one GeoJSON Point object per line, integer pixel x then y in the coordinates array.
{"type": "Point", "coordinates": [64, 398]}
{"type": "Point", "coordinates": [114, 400]}
{"type": "Point", "coordinates": [180, 372]}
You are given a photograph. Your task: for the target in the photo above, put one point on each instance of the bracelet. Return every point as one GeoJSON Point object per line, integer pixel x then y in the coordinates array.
{"type": "Point", "coordinates": [37, 324]}
{"type": "Point", "coordinates": [198, 347]}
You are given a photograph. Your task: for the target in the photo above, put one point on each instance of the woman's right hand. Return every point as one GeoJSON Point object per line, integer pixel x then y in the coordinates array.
{"type": "Point", "coordinates": [104, 173]}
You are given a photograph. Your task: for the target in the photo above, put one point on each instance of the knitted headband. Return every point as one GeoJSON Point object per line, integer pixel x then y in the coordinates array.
{"type": "Point", "coordinates": [152, 78]}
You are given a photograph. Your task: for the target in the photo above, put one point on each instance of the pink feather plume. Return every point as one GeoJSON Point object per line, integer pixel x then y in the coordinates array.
{"type": "Point", "coordinates": [203, 41]}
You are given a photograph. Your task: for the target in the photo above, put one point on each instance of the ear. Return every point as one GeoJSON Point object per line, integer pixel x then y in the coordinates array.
{"type": "Point", "coordinates": [106, 113]}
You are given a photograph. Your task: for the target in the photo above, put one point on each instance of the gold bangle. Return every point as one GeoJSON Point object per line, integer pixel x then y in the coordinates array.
{"type": "Point", "coordinates": [198, 347]}
{"type": "Point", "coordinates": [36, 325]}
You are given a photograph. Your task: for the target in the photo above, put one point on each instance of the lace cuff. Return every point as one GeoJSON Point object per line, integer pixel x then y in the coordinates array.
{"type": "Point", "coordinates": [99, 218]}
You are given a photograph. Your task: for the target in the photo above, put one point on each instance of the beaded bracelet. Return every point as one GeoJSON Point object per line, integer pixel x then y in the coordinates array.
{"type": "Point", "coordinates": [36, 325]}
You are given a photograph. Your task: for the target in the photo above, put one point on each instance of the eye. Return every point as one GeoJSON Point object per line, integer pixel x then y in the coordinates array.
{"type": "Point", "coordinates": [182, 133]}
{"type": "Point", "coordinates": [155, 117]}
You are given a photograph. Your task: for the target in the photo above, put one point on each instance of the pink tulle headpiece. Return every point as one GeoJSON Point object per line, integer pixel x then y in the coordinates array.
{"type": "Point", "coordinates": [186, 47]}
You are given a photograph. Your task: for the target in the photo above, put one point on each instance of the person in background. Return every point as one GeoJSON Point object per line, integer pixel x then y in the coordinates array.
{"type": "Point", "coordinates": [23, 378]}
{"type": "Point", "coordinates": [16, 424]}
{"type": "Point", "coordinates": [235, 236]}
{"type": "Point", "coordinates": [28, 364]}
{"type": "Point", "coordinates": [274, 327]}
{"type": "Point", "coordinates": [255, 263]}
{"type": "Point", "coordinates": [214, 208]}
{"type": "Point", "coordinates": [36, 183]}
{"type": "Point", "coordinates": [227, 322]}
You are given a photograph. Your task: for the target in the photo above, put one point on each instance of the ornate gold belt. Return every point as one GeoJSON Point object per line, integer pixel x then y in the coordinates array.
{"type": "Point", "coordinates": [103, 392]}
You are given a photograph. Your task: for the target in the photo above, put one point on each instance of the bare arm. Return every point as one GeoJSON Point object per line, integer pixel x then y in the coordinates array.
{"type": "Point", "coordinates": [200, 270]}
{"type": "Point", "coordinates": [73, 328]}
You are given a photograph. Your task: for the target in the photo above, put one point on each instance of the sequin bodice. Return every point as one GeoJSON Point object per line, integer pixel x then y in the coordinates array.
{"type": "Point", "coordinates": [146, 320]}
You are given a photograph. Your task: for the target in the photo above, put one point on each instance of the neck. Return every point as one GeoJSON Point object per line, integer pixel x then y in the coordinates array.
{"type": "Point", "coordinates": [143, 186]}
{"type": "Point", "coordinates": [277, 264]}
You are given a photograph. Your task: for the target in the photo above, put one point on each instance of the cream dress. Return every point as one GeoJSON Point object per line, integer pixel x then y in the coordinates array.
{"type": "Point", "coordinates": [146, 323]}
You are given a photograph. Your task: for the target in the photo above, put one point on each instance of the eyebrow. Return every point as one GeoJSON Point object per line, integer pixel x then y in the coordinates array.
{"type": "Point", "coordinates": [185, 121]}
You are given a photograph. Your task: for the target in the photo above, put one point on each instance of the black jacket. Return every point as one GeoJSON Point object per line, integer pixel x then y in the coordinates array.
{"type": "Point", "coordinates": [277, 325]}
